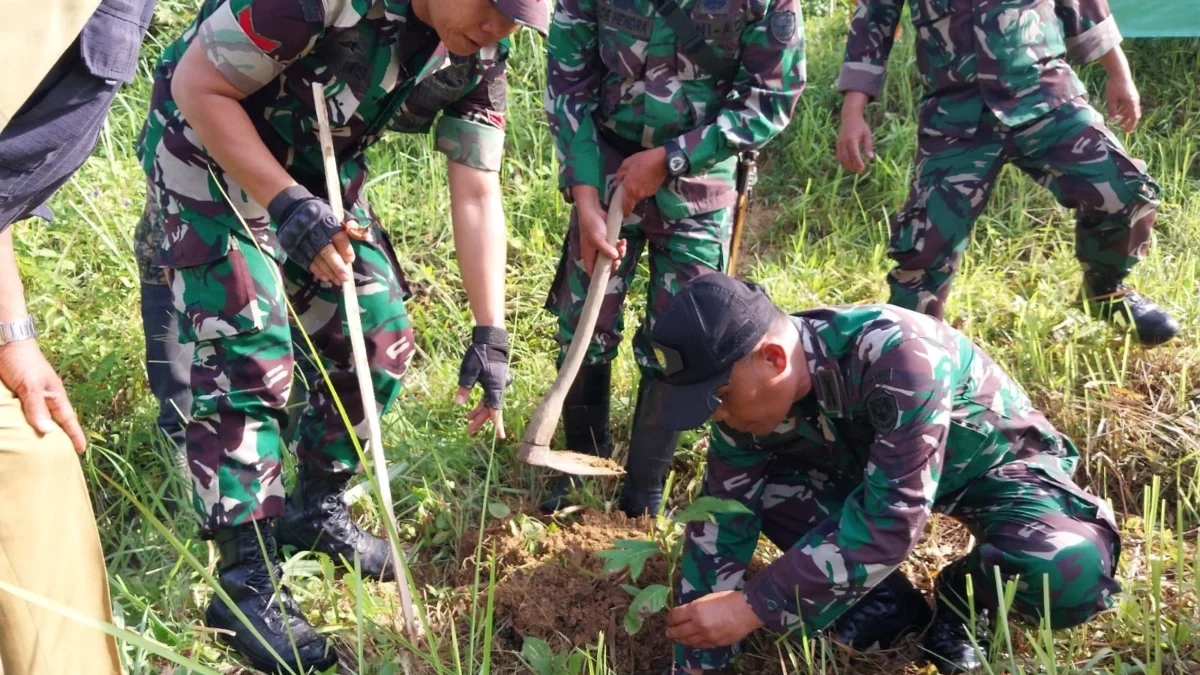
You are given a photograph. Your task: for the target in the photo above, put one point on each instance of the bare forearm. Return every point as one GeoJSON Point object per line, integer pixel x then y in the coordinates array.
{"type": "Point", "coordinates": [854, 105]}
{"type": "Point", "coordinates": [1115, 64]}
{"type": "Point", "coordinates": [213, 110]}
{"type": "Point", "coordinates": [12, 293]}
{"type": "Point", "coordinates": [479, 240]}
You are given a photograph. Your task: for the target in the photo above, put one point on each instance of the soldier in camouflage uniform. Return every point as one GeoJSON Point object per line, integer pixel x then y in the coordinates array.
{"type": "Point", "coordinates": [841, 429]}
{"type": "Point", "coordinates": [629, 105]}
{"type": "Point", "coordinates": [998, 90]}
{"type": "Point", "coordinates": [235, 173]}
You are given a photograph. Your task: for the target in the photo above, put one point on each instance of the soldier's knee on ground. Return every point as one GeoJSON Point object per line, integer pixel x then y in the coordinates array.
{"type": "Point", "coordinates": [1078, 573]}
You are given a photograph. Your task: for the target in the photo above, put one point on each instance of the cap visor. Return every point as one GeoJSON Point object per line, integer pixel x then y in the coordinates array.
{"type": "Point", "coordinates": [687, 406]}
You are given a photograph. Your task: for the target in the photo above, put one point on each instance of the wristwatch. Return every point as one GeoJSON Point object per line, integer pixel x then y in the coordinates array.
{"type": "Point", "coordinates": [21, 329]}
{"type": "Point", "coordinates": [677, 162]}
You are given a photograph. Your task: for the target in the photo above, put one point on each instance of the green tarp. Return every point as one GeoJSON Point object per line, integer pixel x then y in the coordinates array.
{"type": "Point", "coordinates": [1157, 18]}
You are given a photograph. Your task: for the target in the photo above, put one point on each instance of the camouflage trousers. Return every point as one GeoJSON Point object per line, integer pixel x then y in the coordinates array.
{"type": "Point", "coordinates": [235, 311]}
{"type": "Point", "coordinates": [679, 250]}
{"type": "Point", "coordinates": [1070, 151]}
{"type": "Point", "coordinates": [1029, 519]}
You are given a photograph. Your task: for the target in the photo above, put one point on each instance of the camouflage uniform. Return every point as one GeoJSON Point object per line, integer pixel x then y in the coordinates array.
{"type": "Point", "coordinates": [617, 84]}
{"type": "Point", "coordinates": [906, 417]}
{"type": "Point", "coordinates": [999, 90]}
{"type": "Point", "coordinates": [378, 64]}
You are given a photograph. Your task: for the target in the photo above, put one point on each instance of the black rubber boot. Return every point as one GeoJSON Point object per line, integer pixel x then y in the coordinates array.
{"type": "Point", "coordinates": [651, 449]}
{"type": "Point", "coordinates": [246, 577]}
{"type": "Point", "coordinates": [889, 611]}
{"type": "Point", "coordinates": [949, 638]}
{"type": "Point", "coordinates": [585, 425]}
{"type": "Point", "coordinates": [1120, 305]}
{"type": "Point", "coordinates": [316, 519]}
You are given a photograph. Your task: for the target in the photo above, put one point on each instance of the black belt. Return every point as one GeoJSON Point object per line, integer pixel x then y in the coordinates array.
{"type": "Point", "coordinates": [623, 145]}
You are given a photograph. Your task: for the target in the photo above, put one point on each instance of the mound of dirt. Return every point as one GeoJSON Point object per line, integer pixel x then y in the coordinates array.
{"type": "Point", "coordinates": [551, 587]}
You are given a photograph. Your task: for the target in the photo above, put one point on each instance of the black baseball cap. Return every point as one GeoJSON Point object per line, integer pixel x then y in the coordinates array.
{"type": "Point", "coordinates": [709, 326]}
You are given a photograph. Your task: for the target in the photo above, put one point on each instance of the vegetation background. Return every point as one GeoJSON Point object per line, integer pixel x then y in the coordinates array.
{"type": "Point", "coordinates": [818, 235]}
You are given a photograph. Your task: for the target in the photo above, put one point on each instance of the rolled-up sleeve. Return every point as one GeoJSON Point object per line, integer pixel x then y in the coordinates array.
{"type": "Point", "coordinates": [1088, 27]}
{"type": "Point", "coordinates": [872, 32]}
{"type": "Point", "coordinates": [250, 42]}
{"type": "Point", "coordinates": [471, 132]}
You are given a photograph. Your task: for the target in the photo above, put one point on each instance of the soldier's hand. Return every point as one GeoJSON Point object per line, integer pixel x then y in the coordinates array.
{"type": "Point", "coordinates": [642, 174]}
{"type": "Point", "coordinates": [333, 263]}
{"type": "Point", "coordinates": [854, 138]}
{"type": "Point", "coordinates": [715, 620]}
{"type": "Point", "coordinates": [27, 373]}
{"type": "Point", "coordinates": [1121, 98]}
{"type": "Point", "coordinates": [593, 237]}
{"type": "Point", "coordinates": [485, 363]}
{"type": "Point", "coordinates": [1123, 103]}
{"type": "Point", "coordinates": [310, 234]}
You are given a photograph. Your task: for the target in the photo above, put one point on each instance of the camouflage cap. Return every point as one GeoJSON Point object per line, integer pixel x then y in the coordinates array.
{"type": "Point", "coordinates": [709, 326]}
{"type": "Point", "coordinates": [532, 13]}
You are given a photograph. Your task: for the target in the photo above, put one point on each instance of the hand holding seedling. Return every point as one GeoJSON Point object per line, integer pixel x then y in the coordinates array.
{"type": "Point", "coordinates": [715, 620]}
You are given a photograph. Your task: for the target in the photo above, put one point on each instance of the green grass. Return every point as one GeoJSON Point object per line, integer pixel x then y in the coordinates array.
{"type": "Point", "coordinates": [819, 237]}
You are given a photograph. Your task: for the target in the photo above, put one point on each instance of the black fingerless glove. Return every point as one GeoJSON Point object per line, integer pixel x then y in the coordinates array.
{"type": "Point", "coordinates": [304, 224]}
{"type": "Point", "coordinates": [486, 362]}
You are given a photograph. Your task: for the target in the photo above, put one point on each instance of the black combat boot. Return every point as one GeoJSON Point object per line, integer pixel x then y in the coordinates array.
{"type": "Point", "coordinates": [889, 611]}
{"type": "Point", "coordinates": [246, 577]}
{"type": "Point", "coordinates": [1110, 299]}
{"type": "Point", "coordinates": [316, 519]}
{"type": "Point", "coordinates": [949, 638]}
{"type": "Point", "coordinates": [651, 449]}
{"type": "Point", "coordinates": [585, 425]}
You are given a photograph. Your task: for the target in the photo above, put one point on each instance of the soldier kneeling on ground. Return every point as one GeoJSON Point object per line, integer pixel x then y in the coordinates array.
{"type": "Point", "coordinates": [842, 429]}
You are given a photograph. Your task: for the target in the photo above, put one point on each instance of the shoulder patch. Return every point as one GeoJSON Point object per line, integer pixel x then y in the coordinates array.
{"type": "Point", "coordinates": [783, 26]}
{"type": "Point", "coordinates": [883, 411]}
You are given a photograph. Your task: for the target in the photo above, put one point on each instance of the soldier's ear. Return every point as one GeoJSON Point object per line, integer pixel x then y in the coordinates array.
{"type": "Point", "coordinates": [774, 354]}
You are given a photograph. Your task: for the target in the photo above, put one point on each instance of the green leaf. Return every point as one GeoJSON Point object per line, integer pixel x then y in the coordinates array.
{"type": "Point", "coordinates": [648, 601]}
{"type": "Point", "coordinates": [628, 552]}
{"type": "Point", "coordinates": [704, 507]}
{"type": "Point", "coordinates": [499, 510]}
{"type": "Point", "coordinates": [538, 656]}
{"type": "Point", "coordinates": [632, 590]}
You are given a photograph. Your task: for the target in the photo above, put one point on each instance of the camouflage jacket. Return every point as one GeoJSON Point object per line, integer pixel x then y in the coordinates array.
{"type": "Point", "coordinates": [907, 412]}
{"type": "Point", "coordinates": [615, 64]}
{"type": "Point", "coordinates": [380, 67]}
{"type": "Point", "coordinates": [1006, 56]}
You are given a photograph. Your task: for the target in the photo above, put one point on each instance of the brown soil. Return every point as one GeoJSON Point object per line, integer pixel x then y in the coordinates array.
{"type": "Point", "coordinates": [552, 587]}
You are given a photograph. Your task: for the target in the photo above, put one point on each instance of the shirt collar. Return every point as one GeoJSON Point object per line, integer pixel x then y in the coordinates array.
{"type": "Point", "coordinates": [823, 368]}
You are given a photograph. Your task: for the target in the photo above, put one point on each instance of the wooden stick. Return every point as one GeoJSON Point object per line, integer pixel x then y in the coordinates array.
{"type": "Point", "coordinates": [535, 446]}
{"type": "Point", "coordinates": [362, 370]}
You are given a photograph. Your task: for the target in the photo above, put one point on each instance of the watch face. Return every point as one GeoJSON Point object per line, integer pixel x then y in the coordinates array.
{"type": "Point", "coordinates": [677, 163]}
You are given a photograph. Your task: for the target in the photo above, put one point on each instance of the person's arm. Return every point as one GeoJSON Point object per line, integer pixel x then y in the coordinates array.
{"type": "Point", "coordinates": [24, 370]}
{"type": "Point", "coordinates": [1091, 34]}
{"type": "Point", "coordinates": [834, 565]}
{"type": "Point", "coordinates": [1089, 29]}
{"type": "Point", "coordinates": [471, 135]}
{"type": "Point", "coordinates": [240, 48]}
{"type": "Point", "coordinates": [716, 554]}
{"type": "Point", "coordinates": [574, 74]}
{"type": "Point", "coordinates": [770, 78]}
{"type": "Point", "coordinates": [864, 65]}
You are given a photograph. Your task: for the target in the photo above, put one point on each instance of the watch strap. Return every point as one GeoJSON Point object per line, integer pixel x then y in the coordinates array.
{"type": "Point", "coordinates": [19, 329]}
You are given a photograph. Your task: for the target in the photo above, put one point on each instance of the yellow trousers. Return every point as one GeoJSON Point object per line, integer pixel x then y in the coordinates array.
{"type": "Point", "coordinates": [49, 547]}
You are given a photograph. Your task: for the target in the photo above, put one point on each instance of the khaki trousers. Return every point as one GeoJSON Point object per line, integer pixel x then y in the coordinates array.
{"type": "Point", "coordinates": [49, 546]}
